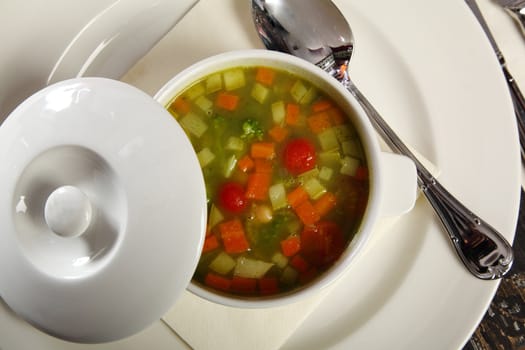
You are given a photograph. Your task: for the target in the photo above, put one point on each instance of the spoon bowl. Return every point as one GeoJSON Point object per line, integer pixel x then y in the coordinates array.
{"type": "Point", "coordinates": [319, 33]}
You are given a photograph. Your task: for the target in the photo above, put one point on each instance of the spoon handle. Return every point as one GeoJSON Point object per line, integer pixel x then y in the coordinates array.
{"type": "Point", "coordinates": [483, 250]}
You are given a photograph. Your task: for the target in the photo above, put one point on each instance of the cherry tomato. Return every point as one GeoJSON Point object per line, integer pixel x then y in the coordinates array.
{"type": "Point", "coordinates": [322, 243]}
{"type": "Point", "coordinates": [232, 198]}
{"type": "Point", "coordinates": [299, 156]}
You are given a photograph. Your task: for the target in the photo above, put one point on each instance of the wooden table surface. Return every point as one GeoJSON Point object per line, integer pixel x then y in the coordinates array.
{"type": "Point", "coordinates": [503, 326]}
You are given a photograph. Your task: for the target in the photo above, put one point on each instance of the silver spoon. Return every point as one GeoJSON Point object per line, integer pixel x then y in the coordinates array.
{"type": "Point", "coordinates": [317, 31]}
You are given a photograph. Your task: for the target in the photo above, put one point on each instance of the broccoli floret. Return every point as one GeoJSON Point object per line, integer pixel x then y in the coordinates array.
{"type": "Point", "coordinates": [219, 122]}
{"type": "Point", "coordinates": [252, 129]}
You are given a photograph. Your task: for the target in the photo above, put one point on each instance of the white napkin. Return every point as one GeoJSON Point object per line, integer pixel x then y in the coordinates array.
{"type": "Point", "coordinates": [204, 325]}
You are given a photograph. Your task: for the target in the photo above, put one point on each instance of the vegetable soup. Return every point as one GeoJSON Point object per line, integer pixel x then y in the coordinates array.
{"type": "Point", "coordinates": [286, 178]}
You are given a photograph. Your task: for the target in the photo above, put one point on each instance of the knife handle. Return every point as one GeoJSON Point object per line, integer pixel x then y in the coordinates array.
{"type": "Point", "coordinates": [519, 107]}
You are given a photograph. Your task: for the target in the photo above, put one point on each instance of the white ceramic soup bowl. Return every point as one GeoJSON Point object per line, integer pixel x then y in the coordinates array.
{"type": "Point", "coordinates": [392, 182]}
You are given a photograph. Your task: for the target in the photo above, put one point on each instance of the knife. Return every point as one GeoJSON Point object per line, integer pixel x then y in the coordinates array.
{"type": "Point", "coordinates": [517, 97]}
{"type": "Point", "coordinates": [516, 8]}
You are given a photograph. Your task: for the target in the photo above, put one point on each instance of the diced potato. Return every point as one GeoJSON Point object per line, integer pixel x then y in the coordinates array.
{"type": "Point", "coordinates": [314, 188]}
{"type": "Point", "coordinates": [278, 112]}
{"type": "Point", "coordinates": [328, 139]}
{"type": "Point", "coordinates": [307, 175]}
{"type": "Point", "coordinates": [309, 96]}
{"type": "Point", "coordinates": [344, 132]}
{"type": "Point", "coordinates": [326, 173]}
{"type": "Point", "coordinates": [229, 166]}
{"type": "Point", "coordinates": [352, 148]}
{"type": "Point", "coordinates": [205, 157]}
{"type": "Point", "coordinates": [260, 93]}
{"type": "Point", "coordinates": [222, 264]}
{"type": "Point", "coordinates": [234, 79]}
{"type": "Point", "coordinates": [234, 144]}
{"type": "Point", "coordinates": [251, 268]}
{"type": "Point", "coordinates": [215, 216]}
{"type": "Point", "coordinates": [280, 260]}
{"type": "Point", "coordinates": [298, 91]}
{"type": "Point", "coordinates": [349, 165]}
{"type": "Point", "coordinates": [194, 124]}
{"type": "Point", "coordinates": [330, 158]}
{"type": "Point", "coordinates": [195, 91]}
{"type": "Point", "coordinates": [214, 83]}
{"type": "Point", "coordinates": [289, 275]}
{"type": "Point", "coordinates": [277, 194]}
{"type": "Point", "coordinates": [205, 104]}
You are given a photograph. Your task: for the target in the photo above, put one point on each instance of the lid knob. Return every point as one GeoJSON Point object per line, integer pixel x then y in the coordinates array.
{"type": "Point", "coordinates": [68, 211]}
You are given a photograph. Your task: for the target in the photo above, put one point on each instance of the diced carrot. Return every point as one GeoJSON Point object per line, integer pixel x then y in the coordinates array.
{"type": "Point", "coordinates": [263, 166]}
{"type": "Point", "coordinates": [245, 164]}
{"type": "Point", "coordinates": [210, 243]}
{"type": "Point", "coordinates": [297, 196]}
{"type": "Point", "coordinates": [361, 173]}
{"type": "Point", "coordinates": [181, 105]}
{"type": "Point", "coordinates": [243, 285]}
{"type": "Point", "coordinates": [268, 285]}
{"type": "Point", "coordinates": [291, 245]}
{"type": "Point", "coordinates": [264, 150]}
{"type": "Point", "coordinates": [299, 263]}
{"type": "Point", "coordinates": [292, 114]}
{"type": "Point", "coordinates": [337, 116]}
{"type": "Point", "coordinates": [278, 133]}
{"type": "Point", "coordinates": [258, 185]}
{"type": "Point", "coordinates": [325, 204]}
{"type": "Point", "coordinates": [307, 213]}
{"type": "Point", "coordinates": [227, 101]}
{"type": "Point", "coordinates": [217, 282]}
{"type": "Point", "coordinates": [319, 122]}
{"type": "Point", "coordinates": [265, 75]}
{"type": "Point", "coordinates": [321, 105]}
{"type": "Point", "coordinates": [233, 237]}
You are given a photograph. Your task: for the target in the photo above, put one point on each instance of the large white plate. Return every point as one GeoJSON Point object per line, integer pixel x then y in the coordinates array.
{"type": "Point", "coordinates": [427, 67]}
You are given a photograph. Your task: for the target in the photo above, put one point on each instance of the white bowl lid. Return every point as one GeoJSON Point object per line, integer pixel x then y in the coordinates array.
{"type": "Point", "coordinates": [102, 213]}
